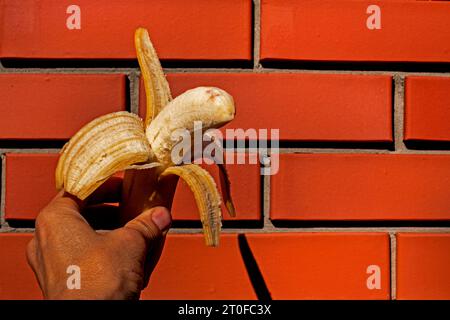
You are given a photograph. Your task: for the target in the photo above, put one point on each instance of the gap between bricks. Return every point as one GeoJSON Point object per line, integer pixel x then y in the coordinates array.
{"type": "Point", "coordinates": [133, 99]}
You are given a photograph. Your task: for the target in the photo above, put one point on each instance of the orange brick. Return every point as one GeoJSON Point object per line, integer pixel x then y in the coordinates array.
{"type": "Point", "coordinates": [214, 273]}
{"type": "Point", "coordinates": [323, 265]}
{"type": "Point", "coordinates": [196, 30]}
{"type": "Point", "coordinates": [17, 280]}
{"type": "Point", "coordinates": [423, 264]}
{"type": "Point", "coordinates": [30, 185]}
{"type": "Point", "coordinates": [55, 106]}
{"type": "Point", "coordinates": [190, 270]}
{"type": "Point", "coordinates": [427, 112]}
{"type": "Point", "coordinates": [361, 187]}
{"type": "Point", "coordinates": [411, 31]}
{"type": "Point", "coordinates": [354, 108]}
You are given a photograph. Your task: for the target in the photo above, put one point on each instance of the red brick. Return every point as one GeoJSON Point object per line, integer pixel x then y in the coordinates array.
{"type": "Point", "coordinates": [427, 111]}
{"type": "Point", "coordinates": [55, 106]}
{"type": "Point", "coordinates": [30, 185]}
{"type": "Point", "coordinates": [190, 270]}
{"type": "Point", "coordinates": [361, 187]}
{"type": "Point", "coordinates": [294, 266]}
{"type": "Point", "coordinates": [306, 107]}
{"type": "Point", "coordinates": [245, 192]}
{"type": "Point", "coordinates": [322, 265]}
{"type": "Point", "coordinates": [423, 264]}
{"type": "Point", "coordinates": [411, 31]}
{"type": "Point", "coordinates": [213, 273]}
{"type": "Point", "coordinates": [196, 30]}
{"type": "Point", "coordinates": [17, 280]}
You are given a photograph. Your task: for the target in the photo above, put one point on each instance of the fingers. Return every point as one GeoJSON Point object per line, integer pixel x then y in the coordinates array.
{"type": "Point", "coordinates": [91, 211]}
{"type": "Point", "coordinates": [103, 216]}
{"type": "Point", "coordinates": [62, 214]}
{"type": "Point", "coordinates": [151, 224]}
{"type": "Point", "coordinates": [152, 259]}
{"type": "Point", "coordinates": [109, 192]}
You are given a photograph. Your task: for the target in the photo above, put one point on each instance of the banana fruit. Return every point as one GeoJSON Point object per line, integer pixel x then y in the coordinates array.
{"type": "Point", "coordinates": [121, 141]}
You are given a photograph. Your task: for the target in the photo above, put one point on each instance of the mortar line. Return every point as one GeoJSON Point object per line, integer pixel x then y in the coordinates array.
{"type": "Point", "coordinates": [261, 69]}
{"type": "Point", "coordinates": [386, 72]}
{"type": "Point", "coordinates": [398, 116]}
{"type": "Point", "coordinates": [2, 195]}
{"type": "Point", "coordinates": [281, 150]}
{"type": "Point", "coordinates": [359, 151]}
{"type": "Point", "coordinates": [134, 92]}
{"type": "Point", "coordinates": [322, 229]}
{"type": "Point", "coordinates": [256, 69]}
{"type": "Point", "coordinates": [256, 34]}
{"type": "Point", "coordinates": [331, 150]}
{"type": "Point", "coordinates": [266, 204]}
{"type": "Point", "coordinates": [29, 150]}
{"type": "Point", "coordinates": [393, 269]}
{"type": "Point", "coordinates": [69, 70]}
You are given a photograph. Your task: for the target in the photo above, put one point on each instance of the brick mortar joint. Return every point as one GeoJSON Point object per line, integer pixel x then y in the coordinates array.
{"type": "Point", "coordinates": [256, 33]}
{"type": "Point", "coordinates": [390, 231]}
{"type": "Point", "coordinates": [134, 92]}
{"type": "Point", "coordinates": [393, 265]}
{"type": "Point", "coordinates": [359, 151]}
{"type": "Point", "coordinates": [2, 190]}
{"type": "Point", "coordinates": [257, 68]}
{"type": "Point", "coordinates": [69, 70]}
{"type": "Point", "coordinates": [282, 151]}
{"type": "Point", "coordinates": [267, 223]}
{"type": "Point", "coordinates": [399, 111]}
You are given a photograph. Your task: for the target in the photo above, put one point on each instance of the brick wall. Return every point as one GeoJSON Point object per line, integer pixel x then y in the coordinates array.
{"type": "Point", "coordinates": [360, 208]}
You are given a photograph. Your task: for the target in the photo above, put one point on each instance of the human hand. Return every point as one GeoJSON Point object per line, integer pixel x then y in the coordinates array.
{"type": "Point", "coordinates": [113, 265]}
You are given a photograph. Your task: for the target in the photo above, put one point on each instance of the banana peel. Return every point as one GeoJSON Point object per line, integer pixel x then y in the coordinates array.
{"type": "Point", "coordinates": [121, 141]}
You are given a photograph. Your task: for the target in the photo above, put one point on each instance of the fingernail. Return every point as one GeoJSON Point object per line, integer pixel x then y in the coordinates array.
{"type": "Point", "coordinates": [161, 217]}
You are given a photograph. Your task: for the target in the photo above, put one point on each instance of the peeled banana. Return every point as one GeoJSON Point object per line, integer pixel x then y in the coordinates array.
{"type": "Point", "coordinates": [121, 141]}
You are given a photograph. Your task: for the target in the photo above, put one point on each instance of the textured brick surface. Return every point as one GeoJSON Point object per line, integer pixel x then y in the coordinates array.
{"type": "Point", "coordinates": [361, 187]}
{"type": "Point", "coordinates": [212, 273]}
{"type": "Point", "coordinates": [423, 264]}
{"type": "Point", "coordinates": [55, 106]}
{"type": "Point", "coordinates": [427, 111]}
{"type": "Point", "coordinates": [178, 28]}
{"type": "Point", "coordinates": [363, 117]}
{"type": "Point", "coordinates": [190, 270]}
{"type": "Point", "coordinates": [297, 106]}
{"type": "Point", "coordinates": [30, 185]}
{"type": "Point", "coordinates": [17, 280]}
{"type": "Point", "coordinates": [414, 31]}
{"type": "Point", "coordinates": [323, 266]}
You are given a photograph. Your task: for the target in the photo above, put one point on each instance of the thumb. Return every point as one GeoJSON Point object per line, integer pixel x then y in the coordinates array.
{"type": "Point", "coordinates": [152, 223]}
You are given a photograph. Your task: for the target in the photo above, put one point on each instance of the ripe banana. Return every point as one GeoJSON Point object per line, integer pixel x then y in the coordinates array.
{"type": "Point", "coordinates": [121, 141]}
